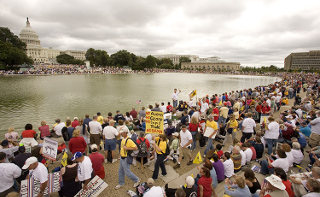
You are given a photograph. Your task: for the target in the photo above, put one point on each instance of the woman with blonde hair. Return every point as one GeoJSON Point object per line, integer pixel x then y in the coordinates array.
{"type": "Point", "coordinates": [240, 189]}
{"type": "Point", "coordinates": [193, 128]}
{"type": "Point", "coordinates": [12, 136]}
{"type": "Point", "coordinates": [77, 143]}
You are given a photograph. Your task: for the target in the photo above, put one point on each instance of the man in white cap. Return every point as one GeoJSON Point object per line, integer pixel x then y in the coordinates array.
{"type": "Point", "coordinates": [124, 169]}
{"type": "Point", "coordinates": [84, 168]}
{"type": "Point", "coordinates": [38, 172]}
{"type": "Point", "coordinates": [274, 186]}
{"type": "Point", "coordinates": [8, 172]}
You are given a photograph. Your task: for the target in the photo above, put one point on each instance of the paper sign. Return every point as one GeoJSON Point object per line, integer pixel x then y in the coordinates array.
{"type": "Point", "coordinates": [154, 122]}
{"type": "Point", "coordinates": [31, 187]}
{"type": "Point", "coordinates": [50, 148]}
{"type": "Point", "coordinates": [208, 132]}
{"type": "Point", "coordinates": [94, 188]}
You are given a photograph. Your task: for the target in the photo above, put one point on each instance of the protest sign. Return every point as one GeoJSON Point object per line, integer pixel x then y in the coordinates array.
{"type": "Point", "coordinates": [50, 148]}
{"type": "Point", "coordinates": [154, 122]}
{"type": "Point", "coordinates": [94, 188]}
{"type": "Point", "coordinates": [31, 187]}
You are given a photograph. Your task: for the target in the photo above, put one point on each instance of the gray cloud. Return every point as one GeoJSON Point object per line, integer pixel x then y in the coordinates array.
{"type": "Point", "coordinates": [255, 33]}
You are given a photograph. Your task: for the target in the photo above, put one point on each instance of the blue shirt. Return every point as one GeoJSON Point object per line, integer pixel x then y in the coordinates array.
{"type": "Point", "coordinates": [306, 131]}
{"type": "Point", "coordinates": [213, 175]}
{"type": "Point", "coordinates": [237, 191]}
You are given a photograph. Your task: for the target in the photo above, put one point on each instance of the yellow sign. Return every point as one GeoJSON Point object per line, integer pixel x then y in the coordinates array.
{"type": "Point", "coordinates": [154, 122]}
{"type": "Point", "coordinates": [64, 159]}
{"type": "Point", "coordinates": [193, 93]}
{"type": "Point", "coordinates": [198, 159]}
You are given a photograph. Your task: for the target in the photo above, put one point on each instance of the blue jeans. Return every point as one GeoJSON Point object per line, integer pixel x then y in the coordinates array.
{"type": "Point", "coordinates": [271, 143]}
{"type": "Point", "coordinates": [159, 163]}
{"type": "Point", "coordinates": [222, 120]}
{"type": "Point", "coordinates": [312, 160]}
{"type": "Point", "coordinates": [209, 145]}
{"type": "Point", "coordinates": [264, 168]}
{"type": "Point", "coordinates": [124, 170]}
{"type": "Point", "coordinates": [175, 104]}
{"type": "Point", "coordinates": [194, 140]}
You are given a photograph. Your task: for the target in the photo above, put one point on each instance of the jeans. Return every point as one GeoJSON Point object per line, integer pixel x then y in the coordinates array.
{"type": "Point", "coordinates": [245, 136]}
{"type": "Point", "coordinates": [222, 120]}
{"type": "Point", "coordinates": [312, 160]}
{"type": "Point", "coordinates": [194, 139]}
{"type": "Point", "coordinates": [159, 163]}
{"type": "Point", "coordinates": [264, 168]}
{"type": "Point", "coordinates": [124, 170]}
{"type": "Point", "coordinates": [271, 143]}
{"type": "Point", "coordinates": [209, 145]}
{"type": "Point", "coordinates": [175, 104]}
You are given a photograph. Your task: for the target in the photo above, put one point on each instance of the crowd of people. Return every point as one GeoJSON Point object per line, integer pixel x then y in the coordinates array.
{"type": "Point", "coordinates": [275, 145]}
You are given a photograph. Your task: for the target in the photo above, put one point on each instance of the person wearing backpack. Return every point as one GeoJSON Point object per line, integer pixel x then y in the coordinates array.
{"type": "Point", "coordinates": [126, 146]}
{"type": "Point", "coordinates": [143, 146]}
{"type": "Point", "coordinates": [160, 145]}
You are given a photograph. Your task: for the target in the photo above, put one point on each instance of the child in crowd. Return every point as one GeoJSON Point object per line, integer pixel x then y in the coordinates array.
{"type": "Point", "coordinates": [219, 151]}
{"type": "Point", "coordinates": [174, 148]}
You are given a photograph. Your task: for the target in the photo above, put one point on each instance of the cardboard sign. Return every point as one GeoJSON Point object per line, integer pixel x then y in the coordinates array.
{"type": "Point", "coordinates": [94, 188]}
{"type": "Point", "coordinates": [154, 122]}
{"type": "Point", "coordinates": [50, 148]}
{"type": "Point", "coordinates": [31, 187]}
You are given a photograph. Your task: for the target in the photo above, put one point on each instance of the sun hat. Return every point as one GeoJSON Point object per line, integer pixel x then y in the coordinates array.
{"type": "Point", "coordinates": [189, 181]}
{"type": "Point", "coordinates": [150, 181]}
{"type": "Point", "coordinates": [76, 156]}
{"type": "Point", "coordinates": [176, 134]}
{"type": "Point", "coordinates": [29, 161]}
{"type": "Point", "coordinates": [276, 181]}
{"type": "Point", "coordinates": [94, 146]}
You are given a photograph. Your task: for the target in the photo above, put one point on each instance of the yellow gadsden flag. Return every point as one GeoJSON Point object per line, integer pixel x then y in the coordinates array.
{"type": "Point", "coordinates": [198, 159]}
{"type": "Point", "coordinates": [193, 93]}
{"type": "Point", "coordinates": [64, 159]}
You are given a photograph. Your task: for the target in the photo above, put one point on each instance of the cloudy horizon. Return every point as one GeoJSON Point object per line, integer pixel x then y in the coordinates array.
{"type": "Point", "coordinates": [254, 33]}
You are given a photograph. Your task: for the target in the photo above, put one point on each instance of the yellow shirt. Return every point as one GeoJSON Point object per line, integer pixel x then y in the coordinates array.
{"type": "Point", "coordinates": [212, 124]}
{"type": "Point", "coordinates": [224, 112]}
{"type": "Point", "coordinates": [233, 124]}
{"type": "Point", "coordinates": [130, 144]}
{"type": "Point", "coordinates": [100, 119]}
{"type": "Point", "coordinates": [162, 145]}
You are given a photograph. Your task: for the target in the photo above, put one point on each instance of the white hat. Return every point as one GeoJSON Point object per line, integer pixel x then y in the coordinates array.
{"type": "Point", "coordinates": [276, 181]}
{"type": "Point", "coordinates": [189, 181]}
{"type": "Point", "coordinates": [94, 146]}
{"type": "Point", "coordinates": [176, 134]}
{"type": "Point", "coordinates": [75, 118]}
{"type": "Point", "coordinates": [29, 161]}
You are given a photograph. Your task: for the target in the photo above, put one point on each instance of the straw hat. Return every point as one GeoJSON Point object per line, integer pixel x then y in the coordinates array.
{"type": "Point", "coordinates": [276, 181]}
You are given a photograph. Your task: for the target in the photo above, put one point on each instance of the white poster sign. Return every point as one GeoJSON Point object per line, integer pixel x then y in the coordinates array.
{"type": "Point", "coordinates": [50, 148]}
{"type": "Point", "coordinates": [94, 188]}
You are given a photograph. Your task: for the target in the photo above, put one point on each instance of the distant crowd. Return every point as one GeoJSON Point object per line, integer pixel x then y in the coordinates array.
{"type": "Point", "coordinates": [273, 146]}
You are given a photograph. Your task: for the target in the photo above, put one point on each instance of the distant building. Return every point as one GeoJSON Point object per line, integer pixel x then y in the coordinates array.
{"type": "Point", "coordinates": [42, 55]}
{"type": "Point", "coordinates": [210, 63]}
{"type": "Point", "coordinates": [176, 58]}
{"type": "Point", "coordinates": [303, 61]}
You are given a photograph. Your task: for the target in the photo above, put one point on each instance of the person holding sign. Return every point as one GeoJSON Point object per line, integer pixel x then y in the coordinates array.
{"type": "Point", "coordinates": [37, 171]}
{"type": "Point", "coordinates": [185, 146]}
{"type": "Point", "coordinates": [160, 145]}
{"type": "Point", "coordinates": [211, 130]}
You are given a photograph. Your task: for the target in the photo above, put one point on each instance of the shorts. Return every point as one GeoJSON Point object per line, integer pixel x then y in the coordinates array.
{"type": "Point", "coordinates": [110, 144]}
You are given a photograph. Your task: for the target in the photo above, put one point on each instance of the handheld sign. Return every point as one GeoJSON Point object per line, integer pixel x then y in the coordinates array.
{"type": "Point", "coordinates": [50, 148]}
{"type": "Point", "coordinates": [94, 188]}
{"type": "Point", "coordinates": [154, 122]}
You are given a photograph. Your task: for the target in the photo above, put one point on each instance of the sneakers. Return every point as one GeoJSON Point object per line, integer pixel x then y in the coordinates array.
{"type": "Point", "coordinates": [176, 166]}
{"type": "Point", "coordinates": [114, 160]}
{"type": "Point", "coordinates": [190, 163]}
{"type": "Point", "coordinates": [136, 183]}
{"type": "Point", "coordinates": [117, 187]}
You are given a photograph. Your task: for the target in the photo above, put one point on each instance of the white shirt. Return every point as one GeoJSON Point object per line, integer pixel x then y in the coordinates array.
{"type": "Point", "coordinates": [57, 129]}
{"type": "Point", "coordinates": [175, 96]}
{"type": "Point", "coordinates": [155, 191]}
{"type": "Point", "coordinates": [163, 108]}
{"type": "Point", "coordinates": [95, 127]}
{"type": "Point", "coordinates": [248, 125]}
{"type": "Point", "coordinates": [204, 107]}
{"type": "Point", "coordinates": [315, 126]}
{"type": "Point", "coordinates": [8, 172]}
{"type": "Point", "coordinates": [85, 169]}
{"type": "Point", "coordinates": [290, 158]}
{"type": "Point", "coordinates": [228, 168]}
{"type": "Point", "coordinates": [297, 156]}
{"type": "Point", "coordinates": [243, 158]}
{"type": "Point", "coordinates": [110, 132]}
{"type": "Point", "coordinates": [249, 154]}
{"type": "Point", "coordinates": [40, 173]}
{"type": "Point", "coordinates": [281, 163]}
{"type": "Point", "coordinates": [273, 131]}
{"type": "Point", "coordinates": [185, 137]}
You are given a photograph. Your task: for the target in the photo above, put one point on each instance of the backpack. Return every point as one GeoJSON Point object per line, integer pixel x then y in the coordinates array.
{"type": "Point", "coordinates": [143, 148]}
{"type": "Point", "coordinates": [167, 149]}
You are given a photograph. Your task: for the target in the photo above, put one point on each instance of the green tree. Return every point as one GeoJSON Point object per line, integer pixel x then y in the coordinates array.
{"type": "Point", "coordinates": [139, 63]}
{"type": "Point", "coordinates": [121, 58]}
{"type": "Point", "coordinates": [97, 57]}
{"type": "Point", "coordinates": [151, 62]}
{"type": "Point", "coordinates": [12, 50]}
{"type": "Point", "coordinates": [182, 59]}
{"type": "Point", "coordinates": [68, 59]}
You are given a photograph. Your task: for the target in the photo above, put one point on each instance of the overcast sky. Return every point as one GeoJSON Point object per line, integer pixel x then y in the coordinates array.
{"type": "Point", "coordinates": [252, 32]}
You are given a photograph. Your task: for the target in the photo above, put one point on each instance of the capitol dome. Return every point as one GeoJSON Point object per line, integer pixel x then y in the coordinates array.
{"type": "Point", "coordinates": [30, 37]}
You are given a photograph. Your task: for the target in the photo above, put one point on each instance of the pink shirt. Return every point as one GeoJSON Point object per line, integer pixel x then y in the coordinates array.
{"type": "Point", "coordinates": [44, 131]}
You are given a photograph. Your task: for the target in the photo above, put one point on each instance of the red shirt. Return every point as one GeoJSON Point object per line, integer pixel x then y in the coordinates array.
{"type": "Point", "coordinates": [142, 139]}
{"type": "Point", "coordinates": [265, 109]}
{"type": "Point", "coordinates": [75, 123]}
{"type": "Point", "coordinates": [44, 131]}
{"type": "Point", "coordinates": [169, 108]}
{"type": "Point", "coordinates": [287, 183]}
{"type": "Point", "coordinates": [97, 160]}
{"type": "Point", "coordinates": [28, 133]}
{"type": "Point", "coordinates": [77, 144]}
{"type": "Point", "coordinates": [193, 127]}
{"type": "Point", "coordinates": [258, 108]}
{"type": "Point", "coordinates": [254, 153]}
{"type": "Point", "coordinates": [134, 113]}
{"type": "Point", "coordinates": [220, 153]}
{"type": "Point", "coordinates": [215, 111]}
{"type": "Point", "coordinates": [206, 184]}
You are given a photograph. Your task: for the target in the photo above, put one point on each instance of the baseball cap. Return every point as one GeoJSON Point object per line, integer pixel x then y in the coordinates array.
{"type": "Point", "coordinates": [29, 161]}
{"type": "Point", "coordinates": [94, 146]}
{"type": "Point", "coordinates": [189, 181]}
{"type": "Point", "coordinates": [76, 156]}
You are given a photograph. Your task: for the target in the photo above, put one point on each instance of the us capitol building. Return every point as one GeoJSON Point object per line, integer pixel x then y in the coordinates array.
{"type": "Point", "coordinates": [42, 55]}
